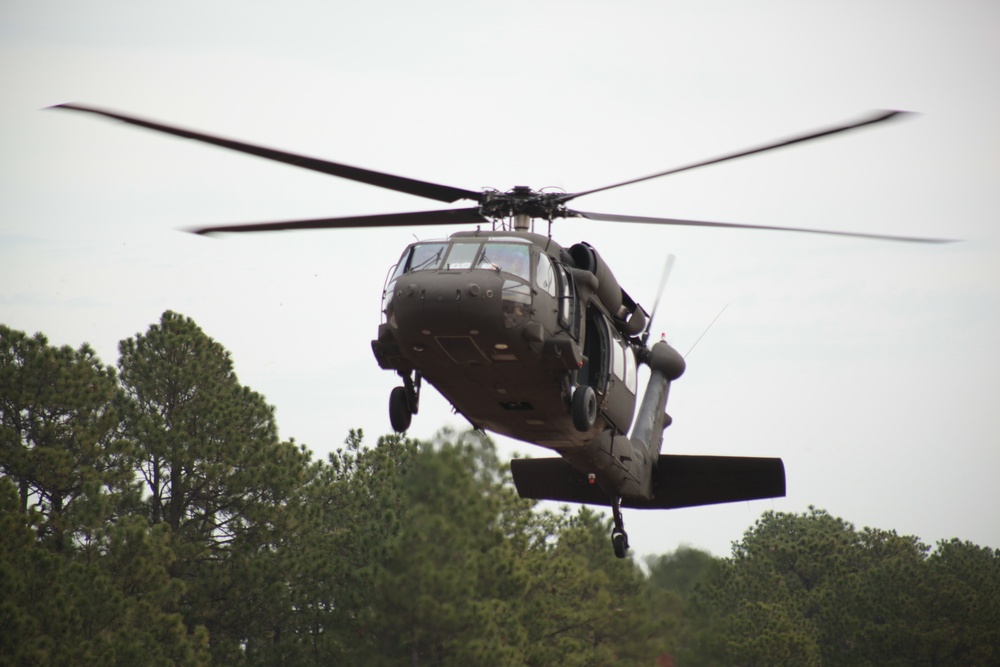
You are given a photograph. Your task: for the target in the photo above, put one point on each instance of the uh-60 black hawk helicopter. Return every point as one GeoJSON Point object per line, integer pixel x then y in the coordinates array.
{"type": "Point", "coordinates": [535, 341]}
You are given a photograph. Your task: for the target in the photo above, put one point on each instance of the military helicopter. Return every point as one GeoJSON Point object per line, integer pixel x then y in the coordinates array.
{"type": "Point", "coordinates": [536, 341]}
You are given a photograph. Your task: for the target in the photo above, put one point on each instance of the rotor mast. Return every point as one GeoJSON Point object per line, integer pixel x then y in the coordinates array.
{"type": "Point", "coordinates": [521, 205]}
{"type": "Point", "coordinates": [522, 222]}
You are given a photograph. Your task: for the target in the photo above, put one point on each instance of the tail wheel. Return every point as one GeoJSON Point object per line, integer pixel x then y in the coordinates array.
{"type": "Point", "coordinates": [619, 540]}
{"type": "Point", "coordinates": [400, 414]}
{"type": "Point", "coordinates": [584, 408]}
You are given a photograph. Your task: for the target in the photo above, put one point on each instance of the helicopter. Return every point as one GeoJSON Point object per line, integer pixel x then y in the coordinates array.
{"type": "Point", "coordinates": [536, 341]}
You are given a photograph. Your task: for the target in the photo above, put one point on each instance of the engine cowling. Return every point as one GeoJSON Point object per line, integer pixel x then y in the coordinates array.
{"type": "Point", "coordinates": [635, 324]}
{"type": "Point", "coordinates": [608, 290]}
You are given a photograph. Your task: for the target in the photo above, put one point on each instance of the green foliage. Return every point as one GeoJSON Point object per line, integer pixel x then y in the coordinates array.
{"type": "Point", "coordinates": [58, 442]}
{"type": "Point", "coordinates": [205, 442]}
{"type": "Point", "coordinates": [673, 582]}
{"type": "Point", "coordinates": [216, 475]}
{"type": "Point", "coordinates": [811, 589]}
{"type": "Point", "coordinates": [152, 516]}
{"type": "Point", "coordinates": [80, 582]}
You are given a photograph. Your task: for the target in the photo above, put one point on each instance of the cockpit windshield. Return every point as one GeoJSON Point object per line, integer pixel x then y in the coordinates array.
{"type": "Point", "coordinates": [510, 257]}
{"type": "Point", "coordinates": [507, 257]}
{"type": "Point", "coordinates": [425, 256]}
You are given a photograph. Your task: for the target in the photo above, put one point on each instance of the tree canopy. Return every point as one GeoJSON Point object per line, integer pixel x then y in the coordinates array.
{"type": "Point", "coordinates": [149, 514]}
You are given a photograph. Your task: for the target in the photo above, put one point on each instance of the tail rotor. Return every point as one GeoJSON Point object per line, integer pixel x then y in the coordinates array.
{"type": "Point", "coordinates": [668, 266]}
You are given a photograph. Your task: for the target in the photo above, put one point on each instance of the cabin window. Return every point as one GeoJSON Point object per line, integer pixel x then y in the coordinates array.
{"type": "Point", "coordinates": [623, 364]}
{"type": "Point", "coordinates": [631, 373]}
{"type": "Point", "coordinates": [617, 357]}
{"type": "Point", "coordinates": [596, 366]}
{"type": "Point", "coordinates": [545, 276]}
{"type": "Point", "coordinates": [567, 303]}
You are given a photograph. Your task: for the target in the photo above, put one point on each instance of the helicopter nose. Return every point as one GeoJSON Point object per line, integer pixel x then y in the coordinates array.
{"type": "Point", "coordinates": [443, 304]}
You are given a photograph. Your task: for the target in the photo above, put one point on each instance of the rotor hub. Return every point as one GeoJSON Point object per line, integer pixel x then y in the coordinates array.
{"type": "Point", "coordinates": [522, 202]}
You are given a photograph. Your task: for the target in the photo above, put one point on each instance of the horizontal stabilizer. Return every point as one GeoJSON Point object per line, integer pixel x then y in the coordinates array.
{"type": "Point", "coordinates": [678, 481]}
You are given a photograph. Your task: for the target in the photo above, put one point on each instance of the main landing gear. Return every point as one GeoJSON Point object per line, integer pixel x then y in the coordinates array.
{"type": "Point", "coordinates": [404, 402]}
{"type": "Point", "coordinates": [583, 408]}
{"type": "Point", "coordinates": [619, 538]}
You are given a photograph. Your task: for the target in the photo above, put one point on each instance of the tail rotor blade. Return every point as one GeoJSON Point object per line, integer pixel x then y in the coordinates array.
{"type": "Point", "coordinates": [668, 266]}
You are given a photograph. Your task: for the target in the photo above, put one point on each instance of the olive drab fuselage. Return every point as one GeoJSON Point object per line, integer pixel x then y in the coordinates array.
{"type": "Point", "coordinates": [507, 326]}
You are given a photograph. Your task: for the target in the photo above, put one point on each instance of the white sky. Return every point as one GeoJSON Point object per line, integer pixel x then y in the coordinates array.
{"type": "Point", "coordinates": [871, 368]}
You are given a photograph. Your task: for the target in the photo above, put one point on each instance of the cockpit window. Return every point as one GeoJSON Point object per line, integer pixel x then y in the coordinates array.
{"type": "Point", "coordinates": [425, 256]}
{"type": "Point", "coordinates": [512, 258]}
{"type": "Point", "coordinates": [461, 256]}
{"type": "Point", "coordinates": [507, 257]}
{"type": "Point", "coordinates": [545, 277]}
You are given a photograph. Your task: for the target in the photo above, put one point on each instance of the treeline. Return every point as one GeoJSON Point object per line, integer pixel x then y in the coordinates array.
{"type": "Point", "coordinates": [149, 514]}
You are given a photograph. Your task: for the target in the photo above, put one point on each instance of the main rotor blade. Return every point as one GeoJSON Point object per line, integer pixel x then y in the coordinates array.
{"type": "Point", "coordinates": [877, 118]}
{"type": "Point", "coordinates": [442, 193]}
{"type": "Point", "coordinates": [459, 216]}
{"type": "Point", "coordinates": [610, 217]}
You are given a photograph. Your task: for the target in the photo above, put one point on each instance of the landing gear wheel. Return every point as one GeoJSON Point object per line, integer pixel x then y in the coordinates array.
{"type": "Point", "coordinates": [400, 414]}
{"type": "Point", "coordinates": [620, 542]}
{"type": "Point", "coordinates": [584, 408]}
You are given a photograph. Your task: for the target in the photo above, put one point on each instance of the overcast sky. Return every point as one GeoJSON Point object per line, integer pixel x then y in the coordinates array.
{"type": "Point", "coordinates": [871, 368]}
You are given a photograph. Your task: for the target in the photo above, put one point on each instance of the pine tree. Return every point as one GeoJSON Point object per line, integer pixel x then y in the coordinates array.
{"type": "Point", "coordinates": [215, 475]}
{"type": "Point", "coordinates": [58, 436]}
{"type": "Point", "coordinates": [80, 581]}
